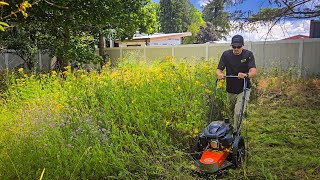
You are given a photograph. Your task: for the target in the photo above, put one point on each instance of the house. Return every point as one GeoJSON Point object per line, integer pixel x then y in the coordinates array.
{"type": "Point", "coordinates": [296, 37]}
{"type": "Point", "coordinates": [157, 39]}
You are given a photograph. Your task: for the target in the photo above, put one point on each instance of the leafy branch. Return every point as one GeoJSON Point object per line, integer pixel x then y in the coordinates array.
{"type": "Point", "coordinates": [21, 8]}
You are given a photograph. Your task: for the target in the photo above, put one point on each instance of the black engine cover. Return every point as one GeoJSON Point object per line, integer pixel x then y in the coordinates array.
{"type": "Point", "coordinates": [217, 129]}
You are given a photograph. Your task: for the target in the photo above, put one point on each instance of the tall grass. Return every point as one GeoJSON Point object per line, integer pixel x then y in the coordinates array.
{"type": "Point", "coordinates": [131, 121]}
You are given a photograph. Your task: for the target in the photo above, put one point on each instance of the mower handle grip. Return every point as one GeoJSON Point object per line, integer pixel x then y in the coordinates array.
{"type": "Point", "coordinates": [232, 76]}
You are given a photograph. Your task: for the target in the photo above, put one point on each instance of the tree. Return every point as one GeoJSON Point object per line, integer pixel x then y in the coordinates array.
{"type": "Point", "coordinates": [194, 27]}
{"type": "Point", "coordinates": [21, 8]}
{"type": "Point", "coordinates": [283, 10]}
{"type": "Point", "coordinates": [175, 16]}
{"type": "Point", "coordinates": [69, 28]}
{"type": "Point", "coordinates": [149, 24]}
{"type": "Point", "coordinates": [206, 35]}
{"type": "Point", "coordinates": [214, 13]}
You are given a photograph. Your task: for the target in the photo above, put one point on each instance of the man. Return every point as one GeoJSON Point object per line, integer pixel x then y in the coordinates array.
{"type": "Point", "coordinates": [238, 62]}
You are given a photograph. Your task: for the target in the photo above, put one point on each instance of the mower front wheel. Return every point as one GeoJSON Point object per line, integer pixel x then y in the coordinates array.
{"type": "Point", "coordinates": [238, 152]}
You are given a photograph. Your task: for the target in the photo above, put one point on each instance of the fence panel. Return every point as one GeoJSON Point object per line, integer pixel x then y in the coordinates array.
{"type": "Point", "coordinates": [303, 54]}
{"type": "Point", "coordinates": [278, 54]}
{"type": "Point", "coordinates": [215, 50]}
{"type": "Point", "coordinates": [14, 61]}
{"type": "Point", "coordinates": [311, 57]}
{"type": "Point", "coordinates": [158, 52]}
{"type": "Point", "coordinates": [2, 62]}
{"type": "Point", "coordinates": [190, 52]}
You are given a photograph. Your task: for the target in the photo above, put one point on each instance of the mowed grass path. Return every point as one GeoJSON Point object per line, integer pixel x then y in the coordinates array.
{"type": "Point", "coordinates": [283, 131]}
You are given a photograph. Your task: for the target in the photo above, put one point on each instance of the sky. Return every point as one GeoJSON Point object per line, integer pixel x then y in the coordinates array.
{"type": "Point", "coordinates": [279, 31]}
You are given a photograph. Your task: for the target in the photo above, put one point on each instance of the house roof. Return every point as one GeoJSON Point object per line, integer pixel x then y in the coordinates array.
{"type": "Point", "coordinates": [162, 36]}
{"type": "Point", "coordinates": [155, 37]}
{"type": "Point", "coordinates": [296, 37]}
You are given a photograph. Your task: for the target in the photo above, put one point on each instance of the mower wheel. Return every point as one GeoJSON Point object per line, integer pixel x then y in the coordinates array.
{"type": "Point", "coordinates": [197, 148]}
{"type": "Point", "coordinates": [238, 152]}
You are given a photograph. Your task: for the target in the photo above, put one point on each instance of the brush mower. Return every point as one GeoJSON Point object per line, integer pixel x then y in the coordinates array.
{"type": "Point", "coordinates": [219, 145]}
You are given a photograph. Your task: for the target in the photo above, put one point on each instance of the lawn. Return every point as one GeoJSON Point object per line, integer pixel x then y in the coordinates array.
{"type": "Point", "coordinates": [283, 130]}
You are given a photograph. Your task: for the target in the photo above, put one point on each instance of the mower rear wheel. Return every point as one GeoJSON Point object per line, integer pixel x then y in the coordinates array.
{"type": "Point", "coordinates": [238, 152]}
{"type": "Point", "coordinates": [197, 148]}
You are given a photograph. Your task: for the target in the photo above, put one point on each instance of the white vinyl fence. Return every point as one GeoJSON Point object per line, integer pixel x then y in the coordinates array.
{"type": "Point", "coordinates": [10, 60]}
{"type": "Point", "coordinates": [303, 55]}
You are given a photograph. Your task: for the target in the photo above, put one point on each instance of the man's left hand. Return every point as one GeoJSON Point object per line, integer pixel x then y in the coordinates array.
{"type": "Point", "coordinates": [242, 75]}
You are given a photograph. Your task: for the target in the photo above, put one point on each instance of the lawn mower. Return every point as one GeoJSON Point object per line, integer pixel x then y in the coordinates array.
{"type": "Point", "coordinates": [219, 145]}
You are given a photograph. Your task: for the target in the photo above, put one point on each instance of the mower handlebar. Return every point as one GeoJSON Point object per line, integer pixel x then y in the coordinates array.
{"type": "Point", "coordinates": [232, 76]}
{"type": "Point", "coordinates": [245, 79]}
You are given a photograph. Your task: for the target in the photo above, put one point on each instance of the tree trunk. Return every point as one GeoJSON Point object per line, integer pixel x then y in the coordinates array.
{"type": "Point", "coordinates": [102, 45]}
{"type": "Point", "coordinates": [63, 62]}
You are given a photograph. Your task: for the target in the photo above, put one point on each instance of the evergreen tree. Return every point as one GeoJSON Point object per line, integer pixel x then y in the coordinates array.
{"type": "Point", "coordinates": [175, 15]}
{"type": "Point", "coordinates": [214, 13]}
{"type": "Point", "coordinates": [206, 35]}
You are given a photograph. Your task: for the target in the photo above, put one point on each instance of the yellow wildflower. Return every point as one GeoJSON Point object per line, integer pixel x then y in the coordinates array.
{"type": "Point", "coordinates": [25, 5]}
{"type": "Point", "coordinates": [13, 13]}
{"type": "Point", "coordinates": [66, 73]}
{"type": "Point", "coordinates": [25, 15]}
{"type": "Point", "coordinates": [195, 132]}
{"type": "Point", "coordinates": [207, 91]}
{"type": "Point", "coordinates": [168, 123]}
{"type": "Point", "coordinates": [168, 58]}
{"type": "Point", "coordinates": [206, 67]}
{"type": "Point", "coordinates": [3, 3]}
{"type": "Point", "coordinates": [95, 77]}
{"type": "Point", "coordinates": [23, 8]}
{"type": "Point", "coordinates": [220, 84]}
{"type": "Point", "coordinates": [68, 68]}
{"type": "Point", "coordinates": [20, 70]}
{"type": "Point", "coordinates": [114, 74]}
{"type": "Point", "coordinates": [83, 76]}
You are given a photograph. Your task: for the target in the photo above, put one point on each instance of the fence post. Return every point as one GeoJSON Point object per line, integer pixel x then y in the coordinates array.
{"type": "Point", "coordinates": [6, 60]}
{"type": "Point", "coordinates": [172, 51]}
{"type": "Point", "coordinates": [145, 52]}
{"type": "Point", "coordinates": [40, 59]}
{"type": "Point", "coordinates": [250, 46]}
{"type": "Point", "coordinates": [121, 53]}
{"type": "Point", "coordinates": [300, 59]}
{"type": "Point", "coordinates": [207, 51]}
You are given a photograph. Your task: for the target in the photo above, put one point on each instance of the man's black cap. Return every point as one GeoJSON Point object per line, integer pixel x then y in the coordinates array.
{"type": "Point", "coordinates": [237, 40]}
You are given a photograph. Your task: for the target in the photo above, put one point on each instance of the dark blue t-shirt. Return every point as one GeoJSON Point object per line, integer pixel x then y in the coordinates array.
{"type": "Point", "coordinates": [235, 64]}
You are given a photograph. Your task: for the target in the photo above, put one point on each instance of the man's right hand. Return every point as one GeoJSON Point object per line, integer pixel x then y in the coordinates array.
{"type": "Point", "coordinates": [220, 76]}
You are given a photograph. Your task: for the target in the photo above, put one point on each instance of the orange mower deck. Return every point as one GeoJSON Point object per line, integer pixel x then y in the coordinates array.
{"type": "Point", "coordinates": [212, 161]}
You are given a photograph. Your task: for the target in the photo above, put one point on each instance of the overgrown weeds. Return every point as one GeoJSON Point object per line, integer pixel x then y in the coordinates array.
{"type": "Point", "coordinates": [137, 121]}
{"type": "Point", "coordinates": [132, 121]}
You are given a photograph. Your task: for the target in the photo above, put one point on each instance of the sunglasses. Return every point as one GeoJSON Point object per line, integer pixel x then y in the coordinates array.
{"type": "Point", "coordinates": [236, 47]}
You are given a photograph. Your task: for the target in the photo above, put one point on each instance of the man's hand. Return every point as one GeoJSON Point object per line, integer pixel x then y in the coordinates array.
{"type": "Point", "coordinates": [220, 76]}
{"type": "Point", "coordinates": [242, 75]}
